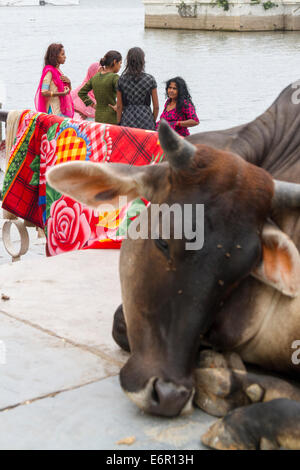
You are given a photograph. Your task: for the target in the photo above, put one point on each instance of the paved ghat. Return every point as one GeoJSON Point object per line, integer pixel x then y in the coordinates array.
{"type": "Point", "coordinates": [59, 365]}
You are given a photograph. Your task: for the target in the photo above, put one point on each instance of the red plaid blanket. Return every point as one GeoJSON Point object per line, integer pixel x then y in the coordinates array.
{"type": "Point", "coordinates": [46, 140]}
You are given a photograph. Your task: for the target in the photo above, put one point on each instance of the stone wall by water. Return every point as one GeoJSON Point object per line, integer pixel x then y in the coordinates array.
{"type": "Point", "coordinates": [227, 15]}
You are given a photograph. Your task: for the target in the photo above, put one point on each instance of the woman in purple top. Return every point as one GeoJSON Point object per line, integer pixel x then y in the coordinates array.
{"type": "Point", "coordinates": [179, 110]}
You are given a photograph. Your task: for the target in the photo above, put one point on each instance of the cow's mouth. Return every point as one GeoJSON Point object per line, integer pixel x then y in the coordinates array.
{"type": "Point", "coordinates": [163, 398]}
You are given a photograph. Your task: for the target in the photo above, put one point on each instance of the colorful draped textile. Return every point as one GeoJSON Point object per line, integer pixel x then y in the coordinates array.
{"type": "Point", "coordinates": [66, 102]}
{"type": "Point", "coordinates": [79, 105]}
{"type": "Point", "coordinates": [45, 140]}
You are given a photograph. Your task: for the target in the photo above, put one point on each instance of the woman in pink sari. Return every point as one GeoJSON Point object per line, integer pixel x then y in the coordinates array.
{"type": "Point", "coordinates": [53, 93]}
{"type": "Point", "coordinates": [83, 112]}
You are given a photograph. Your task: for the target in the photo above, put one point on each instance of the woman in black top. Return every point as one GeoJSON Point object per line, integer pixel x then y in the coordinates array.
{"type": "Point", "coordinates": [135, 91]}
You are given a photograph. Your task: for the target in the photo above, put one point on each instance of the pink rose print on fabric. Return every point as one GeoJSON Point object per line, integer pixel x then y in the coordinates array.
{"type": "Point", "coordinates": [48, 156]}
{"type": "Point", "coordinates": [70, 226]}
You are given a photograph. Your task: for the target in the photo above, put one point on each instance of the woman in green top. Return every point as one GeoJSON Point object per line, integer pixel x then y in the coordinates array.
{"type": "Point", "coordinates": [104, 85]}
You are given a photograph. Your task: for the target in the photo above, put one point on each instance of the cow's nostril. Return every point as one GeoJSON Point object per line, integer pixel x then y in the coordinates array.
{"type": "Point", "coordinates": [168, 399]}
{"type": "Point", "coordinates": [154, 394]}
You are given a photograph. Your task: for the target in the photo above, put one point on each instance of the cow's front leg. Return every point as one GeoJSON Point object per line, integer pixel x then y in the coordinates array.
{"type": "Point", "coordinates": [223, 383]}
{"type": "Point", "coordinates": [119, 331]}
{"type": "Point", "coordinates": [265, 426]}
{"type": "Point", "coordinates": [217, 387]}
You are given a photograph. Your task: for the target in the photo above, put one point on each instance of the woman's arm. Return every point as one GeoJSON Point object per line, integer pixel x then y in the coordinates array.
{"type": "Point", "coordinates": [83, 94]}
{"type": "Point", "coordinates": [45, 91]}
{"type": "Point", "coordinates": [115, 87]}
{"type": "Point", "coordinates": [155, 103]}
{"type": "Point", "coordinates": [119, 106]}
{"type": "Point", "coordinates": [51, 94]}
{"type": "Point", "coordinates": [187, 123]}
{"type": "Point", "coordinates": [190, 115]}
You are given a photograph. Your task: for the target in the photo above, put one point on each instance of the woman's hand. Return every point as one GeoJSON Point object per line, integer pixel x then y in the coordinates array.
{"type": "Point", "coordinates": [66, 91]}
{"type": "Point", "coordinates": [114, 107]}
{"type": "Point", "coordinates": [65, 79]}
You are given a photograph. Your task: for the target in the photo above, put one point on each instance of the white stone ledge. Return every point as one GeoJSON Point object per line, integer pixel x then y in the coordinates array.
{"type": "Point", "coordinates": [243, 15]}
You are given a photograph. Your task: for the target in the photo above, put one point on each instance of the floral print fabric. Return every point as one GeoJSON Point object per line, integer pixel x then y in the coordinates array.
{"type": "Point", "coordinates": [187, 112]}
{"type": "Point", "coordinates": [47, 140]}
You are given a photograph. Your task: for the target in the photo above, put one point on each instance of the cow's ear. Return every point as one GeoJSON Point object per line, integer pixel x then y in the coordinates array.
{"type": "Point", "coordinates": [98, 184]}
{"type": "Point", "coordinates": [280, 265]}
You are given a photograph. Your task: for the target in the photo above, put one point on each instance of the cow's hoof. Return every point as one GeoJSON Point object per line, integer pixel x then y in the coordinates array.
{"type": "Point", "coordinates": [220, 383]}
{"type": "Point", "coordinates": [119, 331]}
{"type": "Point", "coordinates": [265, 426]}
{"type": "Point", "coordinates": [209, 359]}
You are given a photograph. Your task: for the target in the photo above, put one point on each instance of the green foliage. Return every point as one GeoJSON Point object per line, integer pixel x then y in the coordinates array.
{"type": "Point", "coordinates": [134, 210]}
{"type": "Point", "coordinates": [51, 132]}
{"type": "Point", "coordinates": [35, 166]}
{"type": "Point", "coordinates": [35, 180]}
{"type": "Point", "coordinates": [52, 196]}
{"type": "Point", "coordinates": [223, 4]}
{"type": "Point", "coordinates": [187, 11]}
{"type": "Point", "coordinates": [269, 4]}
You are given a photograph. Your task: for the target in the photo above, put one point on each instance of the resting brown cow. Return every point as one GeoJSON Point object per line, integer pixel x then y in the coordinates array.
{"type": "Point", "coordinates": [237, 294]}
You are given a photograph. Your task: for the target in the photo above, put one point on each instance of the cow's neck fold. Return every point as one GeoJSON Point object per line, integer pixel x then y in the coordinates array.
{"type": "Point", "coordinates": [272, 140]}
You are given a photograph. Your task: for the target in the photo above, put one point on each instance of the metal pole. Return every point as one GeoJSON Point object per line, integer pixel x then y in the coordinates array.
{"type": "Point", "coordinates": [3, 115]}
{"type": "Point", "coordinates": [3, 118]}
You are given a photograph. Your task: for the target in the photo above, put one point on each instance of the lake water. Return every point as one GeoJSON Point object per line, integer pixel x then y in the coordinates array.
{"type": "Point", "coordinates": [232, 77]}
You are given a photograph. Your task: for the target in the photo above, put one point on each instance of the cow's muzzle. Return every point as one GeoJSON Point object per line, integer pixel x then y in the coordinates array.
{"type": "Point", "coordinates": [163, 398]}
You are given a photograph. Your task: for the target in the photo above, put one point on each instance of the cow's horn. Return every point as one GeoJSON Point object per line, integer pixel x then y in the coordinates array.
{"type": "Point", "coordinates": [178, 150]}
{"type": "Point", "coordinates": [286, 194]}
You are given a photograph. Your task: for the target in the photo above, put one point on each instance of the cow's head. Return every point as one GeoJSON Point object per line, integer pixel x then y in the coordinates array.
{"type": "Point", "coordinates": [171, 293]}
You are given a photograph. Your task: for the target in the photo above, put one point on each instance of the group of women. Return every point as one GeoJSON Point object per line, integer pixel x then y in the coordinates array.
{"type": "Point", "coordinates": [106, 97]}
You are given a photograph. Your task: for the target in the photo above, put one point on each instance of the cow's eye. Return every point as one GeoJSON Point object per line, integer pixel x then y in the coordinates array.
{"type": "Point", "coordinates": [162, 244]}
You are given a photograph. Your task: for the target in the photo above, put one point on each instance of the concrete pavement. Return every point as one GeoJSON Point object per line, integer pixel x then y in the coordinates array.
{"type": "Point", "coordinates": [59, 365]}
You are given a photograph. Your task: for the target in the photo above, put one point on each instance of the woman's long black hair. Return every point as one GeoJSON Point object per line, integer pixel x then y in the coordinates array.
{"type": "Point", "coordinates": [183, 92]}
{"type": "Point", "coordinates": [135, 62]}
